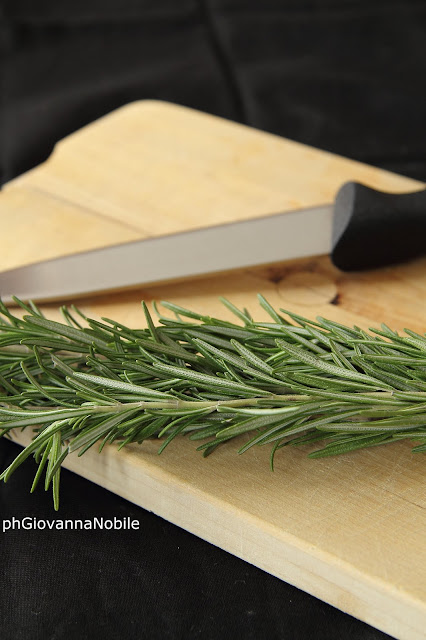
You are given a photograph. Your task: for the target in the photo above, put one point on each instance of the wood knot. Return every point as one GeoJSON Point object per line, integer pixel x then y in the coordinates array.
{"type": "Point", "coordinates": [308, 289]}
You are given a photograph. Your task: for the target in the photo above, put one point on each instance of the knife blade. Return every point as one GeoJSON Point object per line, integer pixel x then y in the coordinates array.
{"type": "Point", "coordinates": [363, 228]}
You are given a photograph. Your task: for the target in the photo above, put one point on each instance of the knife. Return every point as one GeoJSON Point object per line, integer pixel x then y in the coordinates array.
{"type": "Point", "coordinates": [363, 229]}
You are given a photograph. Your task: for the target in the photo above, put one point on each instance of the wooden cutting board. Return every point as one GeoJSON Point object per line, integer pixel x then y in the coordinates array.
{"type": "Point", "coordinates": [349, 530]}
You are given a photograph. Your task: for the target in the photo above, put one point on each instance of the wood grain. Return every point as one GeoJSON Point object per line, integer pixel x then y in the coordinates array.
{"type": "Point", "coordinates": [349, 530]}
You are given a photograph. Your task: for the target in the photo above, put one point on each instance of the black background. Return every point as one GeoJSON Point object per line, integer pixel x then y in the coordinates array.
{"type": "Point", "coordinates": [342, 75]}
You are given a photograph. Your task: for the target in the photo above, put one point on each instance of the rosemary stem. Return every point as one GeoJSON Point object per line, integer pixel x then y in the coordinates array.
{"type": "Point", "coordinates": [186, 405]}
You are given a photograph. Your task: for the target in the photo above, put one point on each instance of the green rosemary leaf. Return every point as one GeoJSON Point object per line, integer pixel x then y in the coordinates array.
{"type": "Point", "coordinates": [30, 448]}
{"type": "Point", "coordinates": [88, 393]}
{"type": "Point", "coordinates": [31, 307]}
{"type": "Point", "coordinates": [80, 336]}
{"type": "Point", "coordinates": [41, 465]}
{"type": "Point", "coordinates": [249, 424]}
{"type": "Point", "coordinates": [416, 340]}
{"type": "Point", "coordinates": [229, 331]}
{"type": "Point", "coordinates": [56, 458]}
{"type": "Point", "coordinates": [56, 344]}
{"type": "Point", "coordinates": [317, 363]}
{"type": "Point", "coordinates": [240, 314]}
{"type": "Point", "coordinates": [61, 365]}
{"type": "Point", "coordinates": [26, 417]}
{"type": "Point", "coordinates": [43, 390]}
{"type": "Point", "coordinates": [270, 310]}
{"type": "Point", "coordinates": [349, 445]}
{"type": "Point", "coordinates": [337, 329]}
{"type": "Point", "coordinates": [212, 339]}
{"type": "Point", "coordinates": [326, 382]}
{"type": "Point", "coordinates": [418, 362]}
{"type": "Point", "coordinates": [121, 386]}
{"type": "Point", "coordinates": [339, 356]}
{"type": "Point", "coordinates": [385, 425]}
{"type": "Point", "coordinates": [69, 318]}
{"type": "Point", "coordinates": [181, 311]}
{"type": "Point", "coordinates": [211, 381]}
{"type": "Point", "coordinates": [252, 358]}
{"type": "Point", "coordinates": [176, 427]}
{"type": "Point", "coordinates": [303, 322]}
{"type": "Point", "coordinates": [7, 386]}
{"type": "Point", "coordinates": [421, 448]}
{"type": "Point", "coordinates": [151, 327]}
{"type": "Point", "coordinates": [92, 434]}
{"type": "Point", "coordinates": [170, 351]}
{"type": "Point", "coordinates": [309, 344]}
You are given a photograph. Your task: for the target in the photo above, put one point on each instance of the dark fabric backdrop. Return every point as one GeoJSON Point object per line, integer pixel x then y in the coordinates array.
{"type": "Point", "coordinates": [342, 75]}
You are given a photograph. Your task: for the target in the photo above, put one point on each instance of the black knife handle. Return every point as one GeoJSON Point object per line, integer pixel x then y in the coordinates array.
{"type": "Point", "coordinates": [374, 229]}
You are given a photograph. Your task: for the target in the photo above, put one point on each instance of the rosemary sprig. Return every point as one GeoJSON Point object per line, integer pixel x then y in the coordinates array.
{"type": "Point", "coordinates": [290, 381]}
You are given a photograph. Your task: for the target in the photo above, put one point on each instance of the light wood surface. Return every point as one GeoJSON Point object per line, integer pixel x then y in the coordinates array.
{"type": "Point", "coordinates": [349, 530]}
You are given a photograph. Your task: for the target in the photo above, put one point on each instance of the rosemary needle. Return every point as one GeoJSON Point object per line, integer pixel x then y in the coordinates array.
{"type": "Point", "coordinates": [288, 381]}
